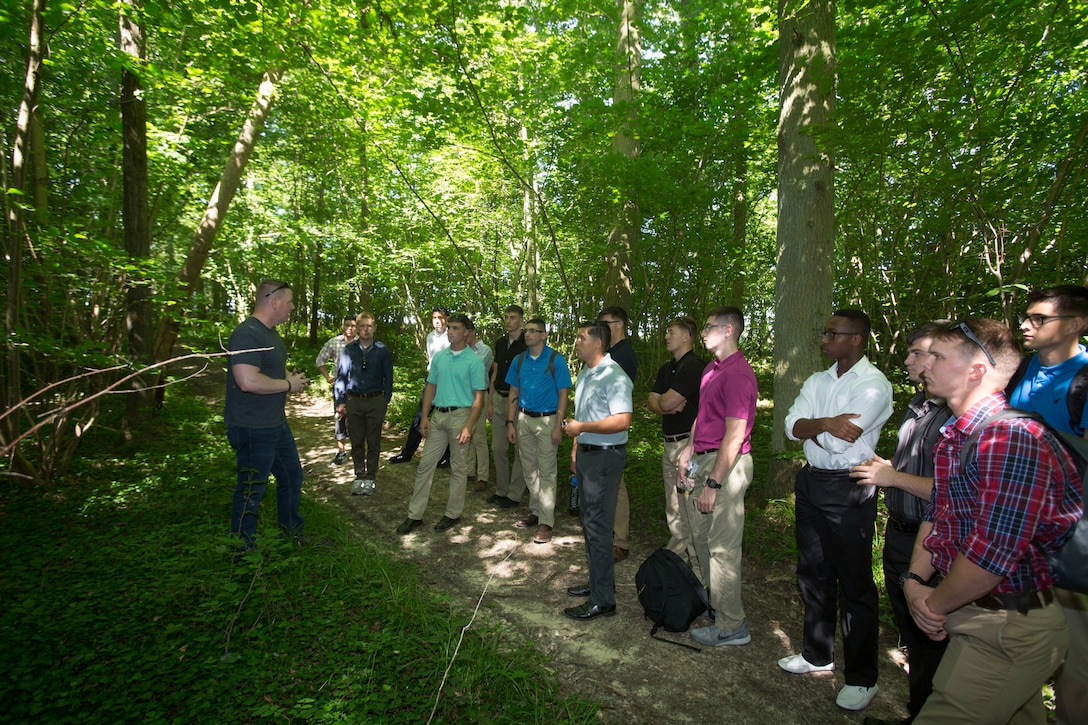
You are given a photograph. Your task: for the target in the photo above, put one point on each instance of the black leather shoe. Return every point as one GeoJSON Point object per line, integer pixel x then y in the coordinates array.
{"type": "Point", "coordinates": [399, 458]}
{"type": "Point", "coordinates": [445, 523]}
{"type": "Point", "coordinates": [590, 611]}
{"type": "Point", "coordinates": [579, 591]}
{"type": "Point", "coordinates": [408, 525]}
{"type": "Point", "coordinates": [881, 721]}
{"type": "Point", "coordinates": [494, 498]}
{"type": "Point", "coordinates": [507, 503]}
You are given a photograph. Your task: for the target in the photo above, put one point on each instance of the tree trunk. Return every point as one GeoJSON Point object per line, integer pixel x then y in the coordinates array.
{"type": "Point", "coordinates": [214, 214]}
{"type": "Point", "coordinates": [137, 226]}
{"type": "Point", "coordinates": [624, 235]}
{"type": "Point", "coordinates": [16, 231]}
{"type": "Point", "coordinates": [806, 219]}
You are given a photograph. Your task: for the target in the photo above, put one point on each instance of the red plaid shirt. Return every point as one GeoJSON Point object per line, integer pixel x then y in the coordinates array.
{"type": "Point", "coordinates": [1015, 501]}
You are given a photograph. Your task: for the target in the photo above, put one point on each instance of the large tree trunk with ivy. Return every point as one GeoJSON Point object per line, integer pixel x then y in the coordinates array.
{"type": "Point", "coordinates": [624, 235]}
{"type": "Point", "coordinates": [137, 221]}
{"type": "Point", "coordinates": [214, 214]}
{"type": "Point", "coordinates": [806, 219]}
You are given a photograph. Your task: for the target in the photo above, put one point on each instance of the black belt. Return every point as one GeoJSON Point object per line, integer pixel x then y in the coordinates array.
{"type": "Point", "coordinates": [353, 394]}
{"type": "Point", "coordinates": [708, 450]}
{"type": "Point", "coordinates": [449, 408]}
{"type": "Point", "coordinates": [903, 528]}
{"type": "Point", "coordinates": [1019, 602]}
{"type": "Point", "coordinates": [503, 393]}
{"type": "Point", "coordinates": [829, 471]}
{"type": "Point", "coordinates": [677, 437]}
{"type": "Point", "coordinates": [531, 414]}
{"type": "Point", "coordinates": [590, 447]}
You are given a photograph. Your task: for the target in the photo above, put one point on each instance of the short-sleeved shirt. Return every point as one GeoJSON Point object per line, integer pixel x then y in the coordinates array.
{"type": "Point", "coordinates": [364, 371]}
{"type": "Point", "coordinates": [331, 351]}
{"type": "Point", "coordinates": [249, 410]}
{"type": "Point", "coordinates": [919, 432]}
{"type": "Point", "coordinates": [456, 377]}
{"type": "Point", "coordinates": [602, 391]}
{"type": "Point", "coordinates": [728, 390]}
{"type": "Point", "coordinates": [684, 376]}
{"type": "Point", "coordinates": [1043, 390]}
{"type": "Point", "coordinates": [484, 353]}
{"type": "Point", "coordinates": [1017, 498]}
{"type": "Point", "coordinates": [538, 388]}
{"type": "Point", "coordinates": [505, 352]}
{"type": "Point", "coordinates": [436, 341]}
{"type": "Point", "coordinates": [624, 356]}
{"type": "Point", "coordinates": [862, 390]}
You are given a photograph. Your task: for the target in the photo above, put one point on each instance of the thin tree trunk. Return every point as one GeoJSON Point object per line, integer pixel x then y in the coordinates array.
{"type": "Point", "coordinates": [16, 230]}
{"type": "Point", "coordinates": [806, 213]}
{"type": "Point", "coordinates": [215, 212]}
{"type": "Point", "coordinates": [137, 228]}
{"type": "Point", "coordinates": [625, 233]}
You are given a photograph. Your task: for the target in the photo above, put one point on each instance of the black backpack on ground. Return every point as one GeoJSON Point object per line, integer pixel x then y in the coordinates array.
{"type": "Point", "coordinates": [670, 594]}
{"type": "Point", "coordinates": [1069, 564]}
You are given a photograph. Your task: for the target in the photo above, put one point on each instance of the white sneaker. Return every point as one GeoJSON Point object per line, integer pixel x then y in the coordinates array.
{"type": "Point", "coordinates": [798, 665]}
{"type": "Point", "coordinates": [359, 488]}
{"type": "Point", "coordinates": [855, 697]}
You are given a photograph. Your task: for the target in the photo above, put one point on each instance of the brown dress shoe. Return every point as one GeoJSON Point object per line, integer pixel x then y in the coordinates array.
{"type": "Point", "coordinates": [480, 485]}
{"type": "Point", "coordinates": [543, 534]}
{"type": "Point", "coordinates": [618, 554]}
{"type": "Point", "coordinates": [528, 522]}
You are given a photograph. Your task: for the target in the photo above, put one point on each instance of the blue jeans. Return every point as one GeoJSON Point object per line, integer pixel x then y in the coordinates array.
{"type": "Point", "coordinates": [261, 452]}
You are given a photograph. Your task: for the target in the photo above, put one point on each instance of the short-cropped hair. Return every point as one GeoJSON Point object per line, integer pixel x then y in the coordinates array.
{"type": "Point", "coordinates": [926, 329]}
{"type": "Point", "coordinates": [732, 316]}
{"type": "Point", "coordinates": [860, 319]}
{"type": "Point", "coordinates": [996, 339]}
{"type": "Point", "coordinates": [515, 308]}
{"type": "Point", "coordinates": [461, 319]}
{"type": "Point", "coordinates": [618, 312]}
{"type": "Point", "coordinates": [686, 324]}
{"type": "Point", "coordinates": [1068, 299]}
{"type": "Point", "coordinates": [600, 331]}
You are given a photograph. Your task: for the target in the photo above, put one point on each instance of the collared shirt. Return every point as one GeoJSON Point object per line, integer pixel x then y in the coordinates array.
{"type": "Point", "coordinates": [436, 341]}
{"type": "Point", "coordinates": [602, 391]}
{"type": "Point", "coordinates": [918, 435]}
{"type": "Point", "coordinates": [1017, 498]}
{"type": "Point", "coordinates": [862, 390]}
{"type": "Point", "coordinates": [684, 376]}
{"type": "Point", "coordinates": [624, 356]}
{"type": "Point", "coordinates": [364, 371]}
{"type": "Point", "coordinates": [484, 353]}
{"type": "Point", "coordinates": [539, 389]}
{"type": "Point", "coordinates": [331, 351]}
{"type": "Point", "coordinates": [456, 376]}
{"type": "Point", "coordinates": [1043, 390]}
{"type": "Point", "coordinates": [252, 410]}
{"type": "Point", "coordinates": [728, 390]}
{"type": "Point", "coordinates": [505, 352]}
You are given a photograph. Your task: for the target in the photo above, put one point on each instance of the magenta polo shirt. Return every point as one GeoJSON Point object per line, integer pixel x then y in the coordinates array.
{"type": "Point", "coordinates": [728, 390]}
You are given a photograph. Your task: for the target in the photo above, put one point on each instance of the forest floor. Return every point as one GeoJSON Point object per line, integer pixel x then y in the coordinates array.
{"type": "Point", "coordinates": [611, 660]}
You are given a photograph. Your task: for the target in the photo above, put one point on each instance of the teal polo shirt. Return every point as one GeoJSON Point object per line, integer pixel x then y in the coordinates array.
{"type": "Point", "coordinates": [456, 377]}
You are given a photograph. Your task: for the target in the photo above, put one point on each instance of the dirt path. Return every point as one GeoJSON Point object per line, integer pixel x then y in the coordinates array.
{"type": "Point", "coordinates": [613, 660]}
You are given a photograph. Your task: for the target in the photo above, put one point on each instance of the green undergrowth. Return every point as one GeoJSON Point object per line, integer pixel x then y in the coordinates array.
{"type": "Point", "coordinates": [122, 603]}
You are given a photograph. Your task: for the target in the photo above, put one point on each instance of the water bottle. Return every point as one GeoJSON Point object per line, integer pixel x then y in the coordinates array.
{"type": "Point", "coordinates": [573, 495]}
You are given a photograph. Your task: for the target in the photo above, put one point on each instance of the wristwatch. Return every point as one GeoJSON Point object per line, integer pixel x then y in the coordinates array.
{"type": "Point", "coordinates": [910, 575]}
{"type": "Point", "coordinates": [711, 483]}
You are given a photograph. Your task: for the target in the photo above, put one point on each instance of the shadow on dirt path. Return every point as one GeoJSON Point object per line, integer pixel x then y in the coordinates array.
{"type": "Point", "coordinates": [612, 660]}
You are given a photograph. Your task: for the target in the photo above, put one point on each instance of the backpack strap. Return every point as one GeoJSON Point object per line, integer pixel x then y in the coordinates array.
{"type": "Point", "coordinates": [1021, 371]}
{"type": "Point", "coordinates": [971, 443]}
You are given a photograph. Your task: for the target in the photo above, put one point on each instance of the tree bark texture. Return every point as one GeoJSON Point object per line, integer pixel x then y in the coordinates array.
{"type": "Point", "coordinates": [806, 220]}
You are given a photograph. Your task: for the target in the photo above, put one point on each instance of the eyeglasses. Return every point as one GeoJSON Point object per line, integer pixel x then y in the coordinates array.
{"type": "Point", "coordinates": [539, 332]}
{"type": "Point", "coordinates": [708, 328]}
{"type": "Point", "coordinates": [1037, 321]}
{"type": "Point", "coordinates": [962, 327]}
{"type": "Point", "coordinates": [832, 333]}
{"type": "Point", "coordinates": [282, 286]}
{"type": "Point", "coordinates": [610, 322]}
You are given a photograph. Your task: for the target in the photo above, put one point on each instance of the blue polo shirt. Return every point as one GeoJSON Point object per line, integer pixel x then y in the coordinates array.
{"type": "Point", "coordinates": [538, 389]}
{"type": "Point", "coordinates": [1042, 390]}
{"type": "Point", "coordinates": [602, 391]}
{"type": "Point", "coordinates": [456, 376]}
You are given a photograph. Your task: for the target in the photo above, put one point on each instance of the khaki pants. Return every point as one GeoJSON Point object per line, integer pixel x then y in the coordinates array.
{"type": "Point", "coordinates": [995, 666]}
{"type": "Point", "coordinates": [510, 484]}
{"type": "Point", "coordinates": [443, 433]}
{"type": "Point", "coordinates": [677, 513]}
{"type": "Point", "coordinates": [538, 460]}
{"type": "Point", "coordinates": [718, 535]}
{"type": "Point", "coordinates": [479, 459]}
{"type": "Point", "coordinates": [1071, 686]}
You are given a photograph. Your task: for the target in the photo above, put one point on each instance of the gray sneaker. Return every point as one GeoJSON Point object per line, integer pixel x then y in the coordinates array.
{"type": "Point", "coordinates": [712, 636]}
{"type": "Point", "coordinates": [359, 488]}
{"type": "Point", "coordinates": [368, 487]}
